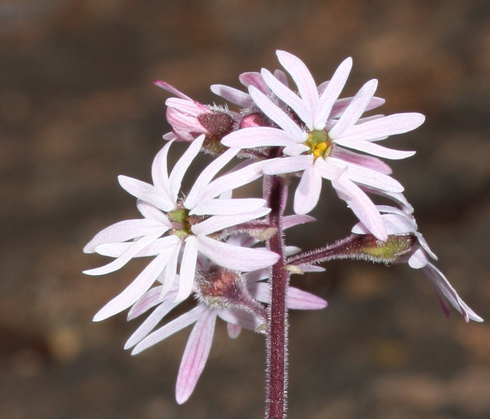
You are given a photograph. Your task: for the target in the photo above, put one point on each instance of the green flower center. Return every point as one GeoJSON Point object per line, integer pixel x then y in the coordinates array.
{"type": "Point", "coordinates": [319, 144]}
{"type": "Point", "coordinates": [181, 222]}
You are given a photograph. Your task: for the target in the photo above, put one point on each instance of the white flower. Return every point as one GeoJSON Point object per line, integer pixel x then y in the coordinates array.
{"type": "Point", "coordinates": [176, 229]}
{"type": "Point", "coordinates": [316, 133]}
{"type": "Point", "coordinates": [398, 222]}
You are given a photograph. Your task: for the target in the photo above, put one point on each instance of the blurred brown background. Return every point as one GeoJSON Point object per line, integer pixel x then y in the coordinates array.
{"type": "Point", "coordinates": [77, 108]}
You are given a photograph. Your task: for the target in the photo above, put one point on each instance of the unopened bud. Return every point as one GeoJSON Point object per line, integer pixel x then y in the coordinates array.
{"type": "Point", "coordinates": [375, 250]}
{"type": "Point", "coordinates": [256, 119]}
{"type": "Point", "coordinates": [220, 289]}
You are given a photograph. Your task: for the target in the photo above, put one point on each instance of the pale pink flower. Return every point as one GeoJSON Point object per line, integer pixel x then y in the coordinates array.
{"type": "Point", "coordinates": [190, 118]}
{"type": "Point", "coordinates": [317, 136]}
{"type": "Point", "coordinates": [176, 228]}
{"type": "Point", "coordinates": [235, 313]}
{"type": "Point", "coordinates": [398, 222]}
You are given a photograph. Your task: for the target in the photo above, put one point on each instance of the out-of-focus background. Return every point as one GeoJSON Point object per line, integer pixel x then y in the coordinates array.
{"type": "Point", "coordinates": [77, 108]}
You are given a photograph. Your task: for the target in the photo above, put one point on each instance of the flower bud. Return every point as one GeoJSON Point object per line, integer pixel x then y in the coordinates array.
{"type": "Point", "coordinates": [220, 289]}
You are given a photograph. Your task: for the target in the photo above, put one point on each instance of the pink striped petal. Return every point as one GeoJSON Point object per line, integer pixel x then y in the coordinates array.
{"type": "Point", "coordinates": [239, 318]}
{"type": "Point", "coordinates": [296, 219]}
{"type": "Point", "coordinates": [302, 300]}
{"type": "Point", "coordinates": [444, 290]}
{"type": "Point", "coordinates": [233, 330]}
{"type": "Point", "coordinates": [195, 356]}
{"type": "Point", "coordinates": [254, 78]}
{"type": "Point", "coordinates": [370, 162]}
{"type": "Point", "coordinates": [171, 89]}
{"type": "Point", "coordinates": [232, 95]}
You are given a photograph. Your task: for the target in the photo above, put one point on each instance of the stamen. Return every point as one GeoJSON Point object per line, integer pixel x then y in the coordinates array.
{"type": "Point", "coordinates": [319, 144]}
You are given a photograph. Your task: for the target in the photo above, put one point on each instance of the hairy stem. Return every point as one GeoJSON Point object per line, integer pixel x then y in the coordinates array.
{"type": "Point", "coordinates": [277, 341]}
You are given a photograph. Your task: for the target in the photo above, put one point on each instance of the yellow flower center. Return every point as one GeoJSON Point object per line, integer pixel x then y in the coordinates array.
{"type": "Point", "coordinates": [319, 144]}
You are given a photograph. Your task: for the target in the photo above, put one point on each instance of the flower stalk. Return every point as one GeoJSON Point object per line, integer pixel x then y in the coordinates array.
{"type": "Point", "coordinates": [277, 336]}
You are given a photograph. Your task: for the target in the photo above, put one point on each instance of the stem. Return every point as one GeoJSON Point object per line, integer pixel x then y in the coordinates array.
{"type": "Point", "coordinates": [277, 341]}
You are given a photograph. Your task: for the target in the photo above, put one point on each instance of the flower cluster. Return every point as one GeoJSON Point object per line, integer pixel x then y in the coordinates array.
{"type": "Point", "coordinates": [205, 244]}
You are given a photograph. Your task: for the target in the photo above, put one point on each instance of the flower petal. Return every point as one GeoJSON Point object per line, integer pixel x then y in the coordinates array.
{"type": "Point", "coordinates": [121, 232]}
{"type": "Point", "coordinates": [135, 290]}
{"type": "Point", "coordinates": [302, 300]}
{"type": "Point", "coordinates": [257, 137]}
{"type": "Point", "coordinates": [195, 355]}
{"type": "Point", "coordinates": [232, 95]}
{"type": "Point", "coordinates": [304, 82]}
{"type": "Point", "coordinates": [220, 222]}
{"type": "Point", "coordinates": [228, 206]}
{"type": "Point", "coordinates": [375, 149]}
{"type": "Point", "coordinates": [361, 205]}
{"type": "Point", "coordinates": [355, 109]}
{"type": "Point", "coordinates": [203, 180]}
{"type": "Point", "coordinates": [331, 93]}
{"type": "Point", "coordinates": [274, 112]}
{"type": "Point", "coordinates": [169, 329]}
{"type": "Point", "coordinates": [308, 191]}
{"type": "Point", "coordinates": [235, 257]}
{"type": "Point", "coordinates": [183, 164]}
{"type": "Point", "coordinates": [383, 127]}
{"type": "Point", "coordinates": [370, 162]}
{"type": "Point", "coordinates": [187, 268]}
{"type": "Point", "coordinates": [150, 323]}
{"type": "Point", "coordinates": [147, 193]}
{"type": "Point", "coordinates": [232, 181]}
{"type": "Point", "coordinates": [287, 165]}
{"type": "Point", "coordinates": [444, 290]}
{"type": "Point", "coordinates": [127, 255]}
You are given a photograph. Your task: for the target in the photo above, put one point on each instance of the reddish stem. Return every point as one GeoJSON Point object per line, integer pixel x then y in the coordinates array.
{"type": "Point", "coordinates": [277, 313]}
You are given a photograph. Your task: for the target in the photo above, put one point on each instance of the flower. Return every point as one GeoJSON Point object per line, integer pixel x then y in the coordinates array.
{"type": "Point", "coordinates": [235, 298]}
{"type": "Point", "coordinates": [179, 229]}
{"type": "Point", "coordinates": [398, 222]}
{"type": "Point", "coordinates": [189, 119]}
{"type": "Point", "coordinates": [318, 132]}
